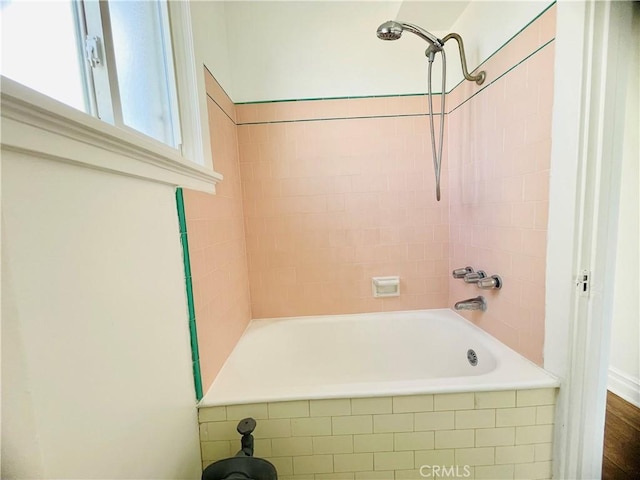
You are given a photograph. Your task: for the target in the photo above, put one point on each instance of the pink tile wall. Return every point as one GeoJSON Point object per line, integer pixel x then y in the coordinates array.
{"type": "Point", "coordinates": [217, 245]}
{"type": "Point", "coordinates": [333, 192]}
{"type": "Point", "coordinates": [499, 152]}
{"type": "Point", "coordinates": [331, 203]}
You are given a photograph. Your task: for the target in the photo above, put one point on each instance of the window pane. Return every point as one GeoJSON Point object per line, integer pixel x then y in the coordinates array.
{"type": "Point", "coordinates": [145, 67]}
{"type": "Point", "coordinates": [40, 49]}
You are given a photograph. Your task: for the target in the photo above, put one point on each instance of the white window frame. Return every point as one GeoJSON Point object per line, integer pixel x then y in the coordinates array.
{"type": "Point", "coordinates": [97, 23]}
{"type": "Point", "coordinates": [36, 124]}
{"type": "Point", "coordinates": [194, 130]}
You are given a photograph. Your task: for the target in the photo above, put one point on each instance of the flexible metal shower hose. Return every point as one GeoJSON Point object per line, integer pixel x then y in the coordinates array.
{"type": "Point", "coordinates": [437, 158]}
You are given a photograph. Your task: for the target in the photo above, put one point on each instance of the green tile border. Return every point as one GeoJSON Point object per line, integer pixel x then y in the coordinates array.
{"type": "Point", "coordinates": [508, 41]}
{"type": "Point", "coordinates": [349, 97]}
{"type": "Point", "coordinates": [484, 87]}
{"type": "Point", "coordinates": [425, 114]}
{"type": "Point", "coordinates": [193, 332]}
{"type": "Point", "coordinates": [222, 109]}
{"type": "Point", "coordinates": [219, 84]}
{"type": "Point", "coordinates": [324, 119]}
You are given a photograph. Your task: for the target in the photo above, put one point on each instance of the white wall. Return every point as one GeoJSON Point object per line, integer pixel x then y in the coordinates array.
{"type": "Point", "coordinates": [624, 372]}
{"type": "Point", "coordinates": [210, 49]}
{"type": "Point", "coordinates": [209, 28]}
{"type": "Point", "coordinates": [485, 26]}
{"type": "Point", "coordinates": [294, 50]}
{"type": "Point", "coordinates": [96, 366]}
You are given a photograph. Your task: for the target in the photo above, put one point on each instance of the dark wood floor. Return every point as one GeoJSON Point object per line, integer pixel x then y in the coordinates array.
{"type": "Point", "coordinates": [621, 459]}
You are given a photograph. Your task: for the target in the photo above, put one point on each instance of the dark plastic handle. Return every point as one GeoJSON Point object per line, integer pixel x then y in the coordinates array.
{"type": "Point", "coordinates": [246, 426]}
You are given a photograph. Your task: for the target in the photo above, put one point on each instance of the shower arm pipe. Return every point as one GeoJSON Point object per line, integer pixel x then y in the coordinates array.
{"type": "Point", "coordinates": [479, 78]}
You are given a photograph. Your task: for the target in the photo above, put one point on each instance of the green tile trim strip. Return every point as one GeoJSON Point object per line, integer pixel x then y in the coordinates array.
{"type": "Point", "coordinates": [193, 332]}
{"type": "Point", "coordinates": [324, 119]}
{"type": "Point", "coordinates": [507, 42]}
{"type": "Point", "coordinates": [222, 109]}
{"type": "Point", "coordinates": [484, 87]}
{"type": "Point", "coordinates": [351, 97]}
{"type": "Point", "coordinates": [453, 109]}
{"type": "Point", "coordinates": [216, 80]}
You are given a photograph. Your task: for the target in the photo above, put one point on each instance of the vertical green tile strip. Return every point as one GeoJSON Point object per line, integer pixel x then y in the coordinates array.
{"type": "Point", "coordinates": [193, 332]}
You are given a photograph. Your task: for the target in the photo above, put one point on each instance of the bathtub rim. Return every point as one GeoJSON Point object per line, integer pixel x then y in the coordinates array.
{"type": "Point", "coordinates": [441, 385]}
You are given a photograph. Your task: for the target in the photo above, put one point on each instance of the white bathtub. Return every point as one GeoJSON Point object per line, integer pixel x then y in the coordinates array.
{"type": "Point", "coordinates": [368, 355]}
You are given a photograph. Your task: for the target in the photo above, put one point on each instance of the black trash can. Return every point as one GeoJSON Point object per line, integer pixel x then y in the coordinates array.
{"type": "Point", "coordinates": [244, 466]}
{"type": "Point", "coordinates": [240, 468]}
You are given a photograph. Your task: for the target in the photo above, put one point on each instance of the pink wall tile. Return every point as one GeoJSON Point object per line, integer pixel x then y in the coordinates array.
{"type": "Point", "coordinates": [534, 36]}
{"type": "Point", "coordinates": [500, 188]}
{"type": "Point", "coordinates": [547, 25]}
{"type": "Point", "coordinates": [217, 246]}
{"type": "Point", "coordinates": [336, 202]}
{"type": "Point", "coordinates": [218, 95]}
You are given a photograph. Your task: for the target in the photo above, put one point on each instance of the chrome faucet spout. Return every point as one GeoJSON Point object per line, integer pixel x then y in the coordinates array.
{"type": "Point", "coordinates": [476, 303]}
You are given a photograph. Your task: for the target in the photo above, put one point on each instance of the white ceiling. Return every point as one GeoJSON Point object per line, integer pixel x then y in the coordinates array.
{"type": "Point", "coordinates": [432, 15]}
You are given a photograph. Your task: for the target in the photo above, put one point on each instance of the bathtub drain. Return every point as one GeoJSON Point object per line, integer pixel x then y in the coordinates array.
{"type": "Point", "coordinates": [472, 357]}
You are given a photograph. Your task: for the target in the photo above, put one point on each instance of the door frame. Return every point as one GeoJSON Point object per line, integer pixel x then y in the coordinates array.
{"type": "Point", "coordinates": [589, 90]}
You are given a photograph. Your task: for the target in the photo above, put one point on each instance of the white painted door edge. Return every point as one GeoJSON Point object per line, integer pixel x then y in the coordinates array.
{"type": "Point", "coordinates": [585, 171]}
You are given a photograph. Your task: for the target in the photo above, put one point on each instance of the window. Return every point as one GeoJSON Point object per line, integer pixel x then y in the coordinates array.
{"type": "Point", "coordinates": [111, 59]}
{"type": "Point", "coordinates": [40, 49]}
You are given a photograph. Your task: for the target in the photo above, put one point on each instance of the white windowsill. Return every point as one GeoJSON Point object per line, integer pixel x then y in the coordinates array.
{"type": "Point", "coordinates": [35, 124]}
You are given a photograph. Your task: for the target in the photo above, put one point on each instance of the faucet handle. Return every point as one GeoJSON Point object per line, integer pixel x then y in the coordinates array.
{"type": "Point", "coordinates": [475, 277]}
{"type": "Point", "coordinates": [461, 272]}
{"type": "Point", "coordinates": [494, 281]}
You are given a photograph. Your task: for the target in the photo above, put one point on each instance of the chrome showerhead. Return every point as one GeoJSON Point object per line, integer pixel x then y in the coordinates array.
{"type": "Point", "coordinates": [392, 30]}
